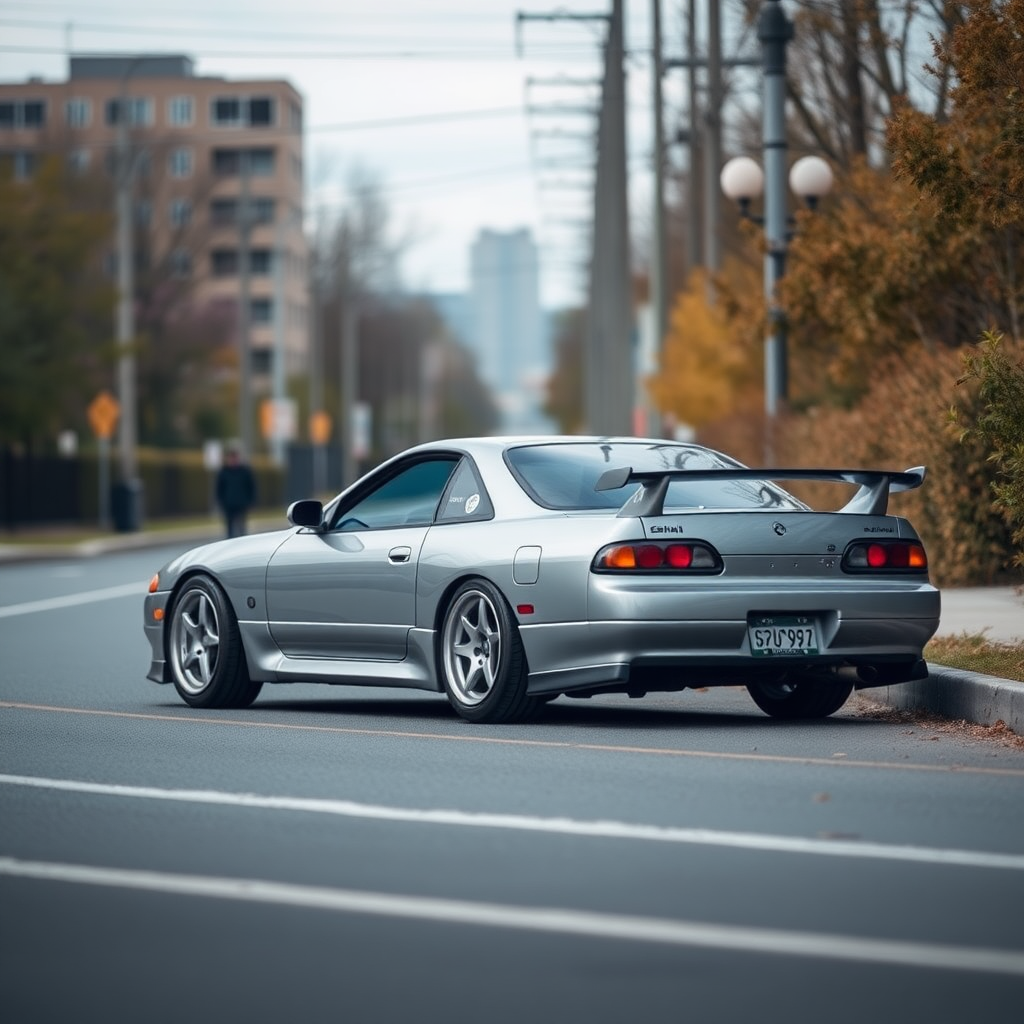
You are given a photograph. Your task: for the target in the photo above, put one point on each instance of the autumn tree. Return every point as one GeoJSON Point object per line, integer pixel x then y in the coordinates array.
{"type": "Point", "coordinates": [912, 270]}
{"type": "Point", "coordinates": [56, 310]}
{"type": "Point", "coordinates": [853, 63]}
{"type": "Point", "coordinates": [970, 164]}
{"type": "Point", "coordinates": [185, 346]}
{"type": "Point", "coordinates": [563, 401]}
{"type": "Point", "coordinates": [704, 369]}
{"type": "Point", "coordinates": [932, 252]}
{"type": "Point", "coordinates": [402, 348]}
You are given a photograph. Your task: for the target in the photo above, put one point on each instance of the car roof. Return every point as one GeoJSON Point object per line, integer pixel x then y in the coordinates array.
{"type": "Point", "coordinates": [500, 443]}
{"type": "Point", "coordinates": [506, 492]}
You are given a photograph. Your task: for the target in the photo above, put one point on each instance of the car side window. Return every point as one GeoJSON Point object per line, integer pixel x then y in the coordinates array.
{"type": "Point", "coordinates": [465, 498]}
{"type": "Point", "coordinates": [409, 498]}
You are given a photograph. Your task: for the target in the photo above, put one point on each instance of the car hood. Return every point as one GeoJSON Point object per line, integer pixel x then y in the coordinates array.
{"type": "Point", "coordinates": [222, 556]}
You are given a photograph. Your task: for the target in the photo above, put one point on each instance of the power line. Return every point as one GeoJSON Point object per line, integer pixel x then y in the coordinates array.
{"type": "Point", "coordinates": [413, 119]}
{"type": "Point", "coordinates": [336, 55]}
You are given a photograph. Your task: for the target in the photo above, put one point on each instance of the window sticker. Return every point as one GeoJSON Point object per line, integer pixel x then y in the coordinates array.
{"type": "Point", "coordinates": [471, 503]}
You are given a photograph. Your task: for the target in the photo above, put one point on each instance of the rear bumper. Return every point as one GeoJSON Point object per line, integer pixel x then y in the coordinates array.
{"type": "Point", "coordinates": [886, 626]}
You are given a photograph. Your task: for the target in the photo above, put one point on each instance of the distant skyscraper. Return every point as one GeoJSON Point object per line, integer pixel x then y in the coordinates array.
{"type": "Point", "coordinates": [509, 334]}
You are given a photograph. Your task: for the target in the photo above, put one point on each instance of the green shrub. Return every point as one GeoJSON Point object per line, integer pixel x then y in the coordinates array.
{"type": "Point", "coordinates": [997, 424]}
{"type": "Point", "coordinates": [176, 483]}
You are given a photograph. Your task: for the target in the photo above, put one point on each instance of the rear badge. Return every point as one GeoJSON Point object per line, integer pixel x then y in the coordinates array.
{"type": "Point", "coordinates": [778, 528]}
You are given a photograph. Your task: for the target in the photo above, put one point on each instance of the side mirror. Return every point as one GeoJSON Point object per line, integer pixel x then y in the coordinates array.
{"type": "Point", "coordinates": [309, 513]}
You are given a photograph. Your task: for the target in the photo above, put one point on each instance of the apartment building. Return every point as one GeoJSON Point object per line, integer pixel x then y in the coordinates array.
{"type": "Point", "coordinates": [201, 151]}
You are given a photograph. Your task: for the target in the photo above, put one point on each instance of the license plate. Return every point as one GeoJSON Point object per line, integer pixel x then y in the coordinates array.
{"type": "Point", "coordinates": [774, 635]}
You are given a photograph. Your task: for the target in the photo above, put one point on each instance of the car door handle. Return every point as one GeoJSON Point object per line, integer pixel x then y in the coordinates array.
{"type": "Point", "coordinates": [396, 556]}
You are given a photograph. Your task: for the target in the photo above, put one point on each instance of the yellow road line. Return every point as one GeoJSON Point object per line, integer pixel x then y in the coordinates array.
{"type": "Point", "coordinates": [610, 748]}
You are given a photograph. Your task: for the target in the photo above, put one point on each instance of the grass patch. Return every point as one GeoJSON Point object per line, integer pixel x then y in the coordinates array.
{"type": "Point", "coordinates": [974, 653]}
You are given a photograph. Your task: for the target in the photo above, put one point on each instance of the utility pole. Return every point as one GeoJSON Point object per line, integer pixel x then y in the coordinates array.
{"type": "Point", "coordinates": [316, 387]}
{"type": "Point", "coordinates": [609, 375]}
{"type": "Point", "coordinates": [127, 504]}
{"type": "Point", "coordinates": [659, 255]}
{"type": "Point", "coordinates": [713, 141]}
{"type": "Point", "coordinates": [651, 349]}
{"type": "Point", "coordinates": [277, 440]}
{"type": "Point", "coordinates": [244, 311]}
{"type": "Point", "coordinates": [693, 189]}
{"type": "Point", "coordinates": [349, 372]}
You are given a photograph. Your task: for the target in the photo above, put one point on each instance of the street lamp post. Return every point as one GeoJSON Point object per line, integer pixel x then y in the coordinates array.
{"type": "Point", "coordinates": [743, 180]}
{"type": "Point", "coordinates": [774, 30]}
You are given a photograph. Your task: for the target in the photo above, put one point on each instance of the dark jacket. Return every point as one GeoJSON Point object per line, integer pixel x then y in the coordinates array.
{"type": "Point", "coordinates": [236, 488]}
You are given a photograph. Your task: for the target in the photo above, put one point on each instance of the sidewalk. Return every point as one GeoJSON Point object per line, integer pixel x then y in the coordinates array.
{"type": "Point", "coordinates": [55, 547]}
{"type": "Point", "coordinates": [998, 612]}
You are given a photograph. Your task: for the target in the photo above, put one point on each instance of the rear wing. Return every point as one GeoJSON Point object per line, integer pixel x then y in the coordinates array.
{"type": "Point", "coordinates": [649, 499]}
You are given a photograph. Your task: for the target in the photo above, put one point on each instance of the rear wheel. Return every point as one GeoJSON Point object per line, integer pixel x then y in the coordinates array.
{"type": "Point", "coordinates": [483, 664]}
{"type": "Point", "coordinates": [812, 697]}
{"type": "Point", "coordinates": [204, 649]}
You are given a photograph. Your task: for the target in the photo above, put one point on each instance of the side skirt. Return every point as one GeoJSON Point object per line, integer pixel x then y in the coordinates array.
{"type": "Point", "coordinates": [266, 662]}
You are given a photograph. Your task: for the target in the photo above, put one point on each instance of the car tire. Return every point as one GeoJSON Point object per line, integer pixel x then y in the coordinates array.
{"type": "Point", "coordinates": [801, 698]}
{"type": "Point", "coordinates": [482, 662]}
{"type": "Point", "coordinates": [204, 649]}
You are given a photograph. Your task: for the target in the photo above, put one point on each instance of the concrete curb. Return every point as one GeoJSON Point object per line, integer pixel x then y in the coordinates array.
{"type": "Point", "coordinates": [954, 693]}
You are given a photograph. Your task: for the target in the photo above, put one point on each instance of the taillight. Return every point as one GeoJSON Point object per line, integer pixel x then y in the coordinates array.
{"type": "Point", "coordinates": [885, 556]}
{"type": "Point", "coordinates": [641, 557]}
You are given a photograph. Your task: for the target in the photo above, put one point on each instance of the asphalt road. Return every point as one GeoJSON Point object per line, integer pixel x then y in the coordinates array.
{"type": "Point", "coordinates": [338, 854]}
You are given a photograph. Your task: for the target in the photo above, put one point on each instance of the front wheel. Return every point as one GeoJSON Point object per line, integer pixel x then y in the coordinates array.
{"type": "Point", "coordinates": [204, 649]}
{"type": "Point", "coordinates": [482, 661]}
{"type": "Point", "coordinates": [800, 698]}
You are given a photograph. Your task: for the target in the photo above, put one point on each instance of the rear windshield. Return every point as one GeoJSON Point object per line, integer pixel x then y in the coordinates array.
{"type": "Point", "coordinates": [563, 476]}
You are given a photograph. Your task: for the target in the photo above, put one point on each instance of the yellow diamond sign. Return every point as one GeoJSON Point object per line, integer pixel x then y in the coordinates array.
{"type": "Point", "coordinates": [320, 427]}
{"type": "Point", "coordinates": [103, 411]}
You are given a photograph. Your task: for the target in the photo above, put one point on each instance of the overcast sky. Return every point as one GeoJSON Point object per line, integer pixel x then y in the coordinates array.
{"type": "Point", "coordinates": [430, 96]}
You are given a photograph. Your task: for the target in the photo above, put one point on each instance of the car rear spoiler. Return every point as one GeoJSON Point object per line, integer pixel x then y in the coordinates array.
{"type": "Point", "coordinates": [649, 499]}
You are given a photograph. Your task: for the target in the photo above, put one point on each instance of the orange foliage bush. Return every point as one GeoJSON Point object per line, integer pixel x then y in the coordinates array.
{"type": "Point", "coordinates": [902, 421]}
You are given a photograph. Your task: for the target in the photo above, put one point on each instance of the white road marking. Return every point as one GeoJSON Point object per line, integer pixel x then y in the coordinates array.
{"type": "Point", "coordinates": [590, 924]}
{"type": "Point", "coordinates": [69, 601]}
{"type": "Point", "coordinates": [557, 826]}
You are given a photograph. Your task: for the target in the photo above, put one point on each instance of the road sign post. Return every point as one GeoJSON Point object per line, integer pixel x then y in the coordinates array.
{"type": "Point", "coordinates": [104, 482]}
{"type": "Point", "coordinates": [103, 411]}
{"type": "Point", "coordinates": [319, 433]}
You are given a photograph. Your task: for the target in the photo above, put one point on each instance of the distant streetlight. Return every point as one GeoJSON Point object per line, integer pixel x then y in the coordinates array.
{"type": "Point", "coordinates": [810, 178]}
{"type": "Point", "coordinates": [743, 181]}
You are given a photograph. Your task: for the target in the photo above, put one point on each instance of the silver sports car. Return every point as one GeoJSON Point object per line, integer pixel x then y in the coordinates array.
{"type": "Point", "coordinates": [504, 572]}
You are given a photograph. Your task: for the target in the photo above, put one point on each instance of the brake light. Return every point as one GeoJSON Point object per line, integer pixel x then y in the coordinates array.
{"type": "Point", "coordinates": [885, 556]}
{"type": "Point", "coordinates": [694, 557]}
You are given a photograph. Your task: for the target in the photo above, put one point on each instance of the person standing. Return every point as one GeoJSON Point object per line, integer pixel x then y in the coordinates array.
{"type": "Point", "coordinates": [236, 492]}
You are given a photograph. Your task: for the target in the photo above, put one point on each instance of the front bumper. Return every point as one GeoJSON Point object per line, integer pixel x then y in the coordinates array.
{"type": "Point", "coordinates": [156, 605]}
